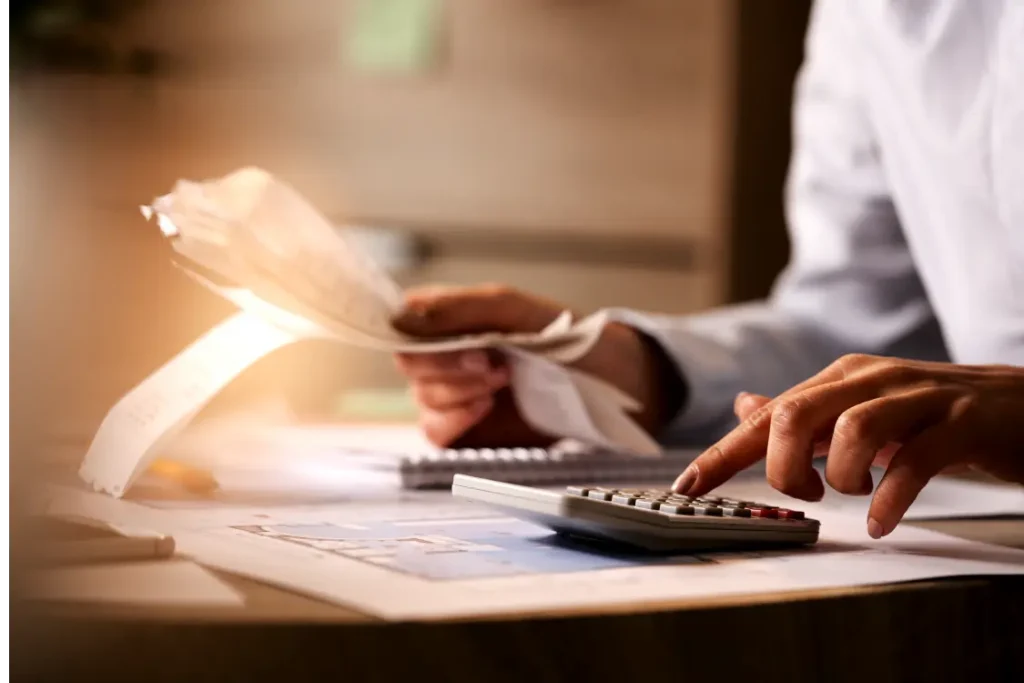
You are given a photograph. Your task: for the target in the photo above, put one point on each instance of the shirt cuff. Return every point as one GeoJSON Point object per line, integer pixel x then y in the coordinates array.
{"type": "Point", "coordinates": [710, 372]}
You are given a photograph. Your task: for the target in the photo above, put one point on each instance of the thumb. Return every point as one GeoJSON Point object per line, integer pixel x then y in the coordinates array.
{"type": "Point", "coordinates": [746, 404]}
{"type": "Point", "coordinates": [449, 311]}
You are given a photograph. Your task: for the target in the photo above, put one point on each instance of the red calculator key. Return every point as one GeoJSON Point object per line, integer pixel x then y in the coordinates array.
{"type": "Point", "coordinates": [790, 514]}
{"type": "Point", "coordinates": [764, 512]}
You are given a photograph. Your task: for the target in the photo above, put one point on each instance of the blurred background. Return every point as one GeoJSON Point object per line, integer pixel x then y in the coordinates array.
{"type": "Point", "coordinates": [599, 152]}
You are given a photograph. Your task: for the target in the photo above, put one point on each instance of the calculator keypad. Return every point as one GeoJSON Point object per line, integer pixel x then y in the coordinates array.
{"type": "Point", "coordinates": [670, 503]}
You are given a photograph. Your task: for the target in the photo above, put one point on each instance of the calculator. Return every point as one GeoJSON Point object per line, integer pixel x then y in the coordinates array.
{"type": "Point", "coordinates": [645, 519]}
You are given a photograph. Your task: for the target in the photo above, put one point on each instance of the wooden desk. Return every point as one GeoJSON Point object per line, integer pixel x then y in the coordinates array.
{"type": "Point", "coordinates": [934, 630]}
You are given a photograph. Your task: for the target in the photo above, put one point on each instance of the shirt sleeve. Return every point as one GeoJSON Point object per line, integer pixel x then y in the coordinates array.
{"type": "Point", "coordinates": [851, 285]}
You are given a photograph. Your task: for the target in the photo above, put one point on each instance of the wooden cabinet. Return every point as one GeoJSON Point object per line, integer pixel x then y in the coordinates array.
{"type": "Point", "coordinates": [586, 117]}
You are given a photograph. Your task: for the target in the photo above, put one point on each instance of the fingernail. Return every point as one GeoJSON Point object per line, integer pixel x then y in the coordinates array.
{"type": "Point", "coordinates": [475, 362]}
{"type": "Point", "coordinates": [875, 529]}
{"type": "Point", "coordinates": [686, 480]}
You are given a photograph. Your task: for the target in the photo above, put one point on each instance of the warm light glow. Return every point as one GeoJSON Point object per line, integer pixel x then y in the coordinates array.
{"type": "Point", "coordinates": [190, 478]}
{"type": "Point", "coordinates": [168, 228]}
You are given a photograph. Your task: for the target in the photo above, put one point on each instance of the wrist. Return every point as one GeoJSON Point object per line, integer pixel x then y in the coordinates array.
{"type": "Point", "coordinates": [667, 387]}
{"type": "Point", "coordinates": [638, 365]}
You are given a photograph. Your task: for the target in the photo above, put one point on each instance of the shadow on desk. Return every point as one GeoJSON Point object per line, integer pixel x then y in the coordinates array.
{"type": "Point", "coordinates": [931, 631]}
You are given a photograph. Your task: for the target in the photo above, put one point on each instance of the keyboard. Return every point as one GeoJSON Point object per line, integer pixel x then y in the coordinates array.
{"type": "Point", "coordinates": [646, 518]}
{"type": "Point", "coordinates": [536, 466]}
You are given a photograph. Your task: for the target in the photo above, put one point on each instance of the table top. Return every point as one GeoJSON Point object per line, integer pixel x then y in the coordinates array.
{"type": "Point", "coordinates": [269, 604]}
{"type": "Point", "coordinates": [937, 630]}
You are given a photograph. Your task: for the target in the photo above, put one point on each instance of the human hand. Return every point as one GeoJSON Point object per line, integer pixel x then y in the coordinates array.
{"type": "Point", "coordinates": [464, 397]}
{"type": "Point", "coordinates": [914, 418]}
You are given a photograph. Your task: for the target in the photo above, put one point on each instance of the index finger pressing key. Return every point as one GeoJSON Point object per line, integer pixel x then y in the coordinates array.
{"type": "Point", "coordinates": [743, 446]}
{"type": "Point", "coordinates": [736, 451]}
{"type": "Point", "coordinates": [719, 463]}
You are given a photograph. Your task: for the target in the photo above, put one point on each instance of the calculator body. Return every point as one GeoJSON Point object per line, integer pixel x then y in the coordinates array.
{"type": "Point", "coordinates": [575, 513]}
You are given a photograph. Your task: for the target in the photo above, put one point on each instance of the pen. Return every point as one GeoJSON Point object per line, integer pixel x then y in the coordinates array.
{"type": "Point", "coordinates": [120, 549]}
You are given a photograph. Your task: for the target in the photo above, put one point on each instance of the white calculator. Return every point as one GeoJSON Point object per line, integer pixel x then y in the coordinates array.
{"type": "Point", "coordinates": [648, 519]}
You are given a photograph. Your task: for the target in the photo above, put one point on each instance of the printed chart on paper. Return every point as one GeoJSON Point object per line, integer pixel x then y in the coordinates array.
{"type": "Point", "coordinates": [473, 548]}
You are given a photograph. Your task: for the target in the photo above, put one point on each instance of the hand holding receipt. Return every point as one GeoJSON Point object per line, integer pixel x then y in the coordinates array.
{"type": "Point", "coordinates": [295, 276]}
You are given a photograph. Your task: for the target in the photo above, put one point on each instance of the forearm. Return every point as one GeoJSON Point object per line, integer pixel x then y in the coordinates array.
{"type": "Point", "coordinates": [701, 362]}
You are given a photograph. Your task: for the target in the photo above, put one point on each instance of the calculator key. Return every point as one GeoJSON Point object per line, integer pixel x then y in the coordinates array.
{"type": "Point", "coordinates": [708, 511]}
{"type": "Point", "coordinates": [622, 499]}
{"type": "Point", "coordinates": [599, 494]}
{"type": "Point", "coordinates": [648, 504]}
{"type": "Point", "coordinates": [673, 509]}
{"type": "Point", "coordinates": [770, 513]}
{"type": "Point", "coordinates": [576, 491]}
{"type": "Point", "coordinates": [735, 512]}
{"type": "Point", "coordinates": [790, 514]}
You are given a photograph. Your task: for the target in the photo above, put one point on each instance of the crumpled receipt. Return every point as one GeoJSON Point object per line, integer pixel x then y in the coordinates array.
{"type": "Point", "coordinates": [252, 239]}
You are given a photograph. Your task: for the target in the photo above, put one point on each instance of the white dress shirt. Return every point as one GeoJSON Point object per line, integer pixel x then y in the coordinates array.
{"type": "Point", "coordinates": [905, 205]}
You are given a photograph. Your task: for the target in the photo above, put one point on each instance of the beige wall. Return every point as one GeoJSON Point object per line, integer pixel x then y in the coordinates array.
{"type": "Point", "coordinates": [580, 119]}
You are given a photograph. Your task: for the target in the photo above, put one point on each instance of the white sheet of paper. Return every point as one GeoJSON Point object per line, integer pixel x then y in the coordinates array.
{"type": "Point", "coordinates": [155, 411]}
{"type": "Point", "coordinates": [223, 538]}
{"type": "Point", "coordinates": [166, 583]}
{"type": "Point", "coordinates": [942, 497]}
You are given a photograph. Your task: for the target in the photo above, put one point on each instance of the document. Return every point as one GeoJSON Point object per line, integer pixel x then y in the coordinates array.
{"type": "Point", "coordinates": [253, 240]}
{"type": "Point", "coordinates": [433, 557]}
{"type": "Point", "coordinates": [150, 415]}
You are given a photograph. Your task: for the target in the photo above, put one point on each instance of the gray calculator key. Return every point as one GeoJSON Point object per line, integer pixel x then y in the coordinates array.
{"type": "Point", "coordinates": [648, 504]}
{"type": "Point", "coordinates": [623, 499]}
{"type": "Point", "coordinates": [599, 494]}
{"type": "Point", "coordinates": [577, 490]}
{"type": "Point", "coordinates": [708, 511]}
{"type": "Point", "coordinates": [735, 512]}
{"type": "Point", "coordinates": [673, 509]}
